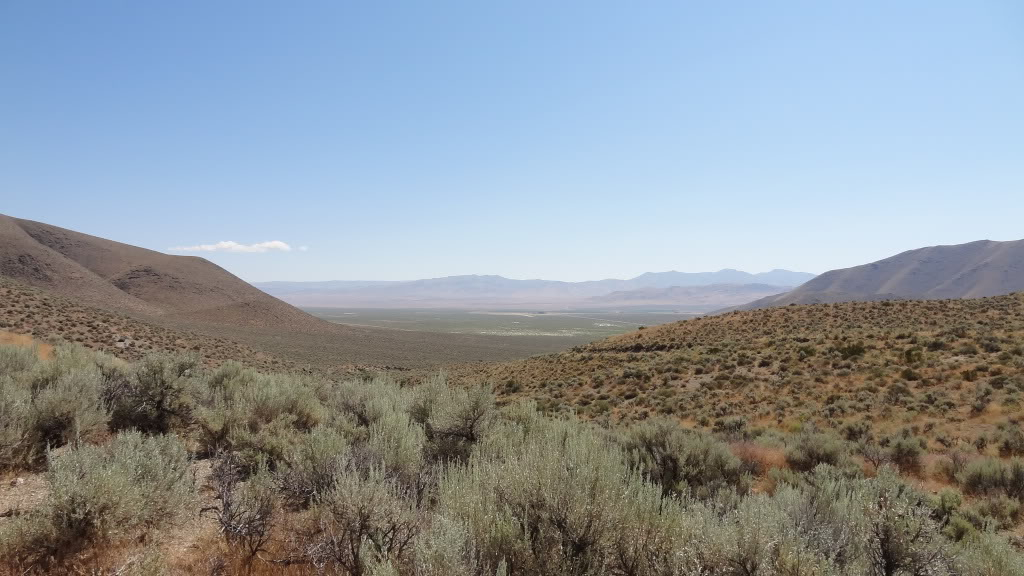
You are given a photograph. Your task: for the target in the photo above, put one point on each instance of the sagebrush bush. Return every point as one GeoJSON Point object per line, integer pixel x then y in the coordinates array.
{"type": "Point", "coordinates": [396, 444]}
{"type": "Point", "coordinates": [313, 465]}
{"type": "Point", "coordinates": [1012, 441]}
{"type": "Point", "coordinates": [70, 408]}
{"type": "Point", "coordinates": [906, 453]}
{"type": "Point", "coordinates": [363, 520]}
{"type": "Point", "coordinates": [988, 554]}
{"type": "Point", "coordinates": [16, 360]}
{"type": "Point", "coordinates": [47, 404]}
{"type": "Point", "coordinates": [154, 397]}
{"type": "Point", "coordinates": [454, 419]}
{"type": "Point", "coordinates": [901, 536]}
{"type": "Point", "coordinates": [681, 461]}
{"type": "Point", "coordinates": [375, 478]}
{"type": "Point", "coordinates": [549, 505]}
{"type": "Point", "coordinates": [254, 415]}
{"type": "Point", "coordinates": [18, 446]}
{"type": "Point", "coordinates": [991, 475]}
{"type": "Point", "coordinates": [810, 449]}
{"type": "Point", "coordinates": [102, 494]}
{"type": "Point", "coordinates": [247, 509]}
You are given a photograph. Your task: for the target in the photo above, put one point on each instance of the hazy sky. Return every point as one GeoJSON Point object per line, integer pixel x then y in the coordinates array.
{"type": "Point", "coordinates": [562, 140]}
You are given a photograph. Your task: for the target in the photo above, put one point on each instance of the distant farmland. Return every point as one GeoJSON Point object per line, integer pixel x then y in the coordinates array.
{"type": "Point", "coordinates": [571, 327]}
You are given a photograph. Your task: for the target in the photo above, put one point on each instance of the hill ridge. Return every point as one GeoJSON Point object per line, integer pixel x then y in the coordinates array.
{"type": "Point", "coordinates": [971, 270]}
{"type": "Point", "coordinates": [117, 276]}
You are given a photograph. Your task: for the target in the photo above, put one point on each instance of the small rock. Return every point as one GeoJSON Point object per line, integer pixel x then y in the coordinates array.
{"type": "Point", "coordinates": [17, 482]}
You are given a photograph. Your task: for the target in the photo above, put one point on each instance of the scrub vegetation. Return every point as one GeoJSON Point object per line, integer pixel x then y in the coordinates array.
{"type": "Point", "coordinates": [941, 377]}
{"type": "Point", "coordinates": [168, 466]}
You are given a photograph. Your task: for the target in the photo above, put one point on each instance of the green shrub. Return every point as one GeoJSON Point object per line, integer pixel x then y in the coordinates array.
{"type": "Point", "coordinates": [70, 409]}
{"type": "Point", "coordinates": [396, 445]}
{"type": "Point", "coordinates": [990, 475]}
{"type": "Point", "coordinates": [103, 493]}
{"type": "Point", "coordinates": [17, 360]}
{"type": "Point", "coordinates": [555, 502]}
{"type": "Point", "coordinates": [652, 534]}
{"type": "Point", "coordinates": [313, 465]}
{"type": "Point", "coordinates": [900, 536]}
{"type": "Point", "coordinates": [254, 415]}
{"type": "Point", "coordinates": [906, 452]}
{"type": "Point", "coordinates": [47, 404]}
{"type": "Point", "coordinates": [360, 522]}
{"type": "Point", "coordinates": [154, 397]}
{"type": "Point", "coordinates": [18, 446]}
{"type": "Point", "coordinates": [455, 420]}
{"type": "Point", "coordinates": [998, 511]}
{"type": "Point", "coordinates": [1012, 441]}
{"type": "Point", "coordinates": [247, 511]}
{"type": "Point", "coordinates": [987, 554]}
{"type": "Point", "coordinates": [444, 548]}
{"type": "Point", "coordinates": [810, 449]}
{"type": "Point", "coordinates": [682, 461]}
{"type": "Point", "coordinates": [368, 401]}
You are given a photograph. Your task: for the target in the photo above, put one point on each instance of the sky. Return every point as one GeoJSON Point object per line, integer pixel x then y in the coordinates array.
{"type": "Point", "coordinates": [560, 140]}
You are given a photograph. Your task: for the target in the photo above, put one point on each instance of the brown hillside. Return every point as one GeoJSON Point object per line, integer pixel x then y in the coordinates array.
{"type": "Point", "coordinates": [972, 270]}
{"type": "Point", "coordinates": [127, 278]}
{"type": "Point", "coordinates": [24, 259]}
{"type": "Point", "coordinates": [28, 313]}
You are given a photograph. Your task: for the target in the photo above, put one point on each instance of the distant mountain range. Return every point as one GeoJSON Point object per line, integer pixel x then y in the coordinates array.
{"type": "Point", "coordinates": [972, 270]}
{"type": "Point", "coordinates": [703, 291]}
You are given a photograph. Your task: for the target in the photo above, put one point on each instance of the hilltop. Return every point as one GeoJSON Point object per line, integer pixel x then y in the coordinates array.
{"type": "Point", "coordinates": [972, 270]}
{"type": "Point", "coordinates": [128, 279]}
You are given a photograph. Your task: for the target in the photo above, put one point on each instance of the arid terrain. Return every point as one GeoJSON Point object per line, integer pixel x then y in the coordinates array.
{"type": "Point", "coordinates": [160, 424]}
{"type": "Point", "coordinates": [189, 295]}
{"type": "Point", "coordinates": [972, 270]}
{"type": "Point", "coordinates": [952, 370]}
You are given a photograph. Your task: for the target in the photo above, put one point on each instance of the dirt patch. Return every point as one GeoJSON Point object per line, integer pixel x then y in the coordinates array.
{"type": "Point", "coordinates": [21, 493]}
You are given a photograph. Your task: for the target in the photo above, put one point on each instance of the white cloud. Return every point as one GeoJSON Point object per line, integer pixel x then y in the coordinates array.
{"type": "Point", "coordinates": [231, 246]}
{"type": "Point", "coordinates": [303, 248]}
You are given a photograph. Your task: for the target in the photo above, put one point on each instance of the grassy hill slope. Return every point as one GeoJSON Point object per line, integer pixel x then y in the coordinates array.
{"type": "Point", "coordinates": [950, 369]}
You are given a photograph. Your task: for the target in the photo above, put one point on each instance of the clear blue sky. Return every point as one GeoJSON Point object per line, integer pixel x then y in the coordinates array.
{"type": "Point", "coordinates": [562, 140]}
